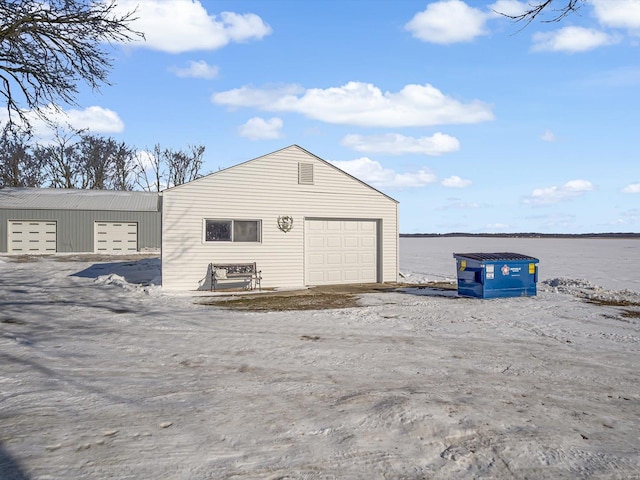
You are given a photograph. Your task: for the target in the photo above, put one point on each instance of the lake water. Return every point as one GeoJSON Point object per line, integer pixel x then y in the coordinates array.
{"type": "Point", "coordinates": [610, 263]}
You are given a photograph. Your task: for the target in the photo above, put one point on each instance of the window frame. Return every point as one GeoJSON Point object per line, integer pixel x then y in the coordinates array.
{"type": "Point", "coordinates": [231, 221]}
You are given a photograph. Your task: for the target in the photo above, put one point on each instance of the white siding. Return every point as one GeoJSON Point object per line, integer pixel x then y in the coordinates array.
{"type": "Point", "coordinates": [264, 189]}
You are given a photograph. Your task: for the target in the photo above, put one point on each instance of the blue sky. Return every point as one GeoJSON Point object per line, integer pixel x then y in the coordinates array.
{"type": "Point", "coordinates": [472, 122]}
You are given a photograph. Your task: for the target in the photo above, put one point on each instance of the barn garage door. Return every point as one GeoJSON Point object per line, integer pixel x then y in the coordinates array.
{"type": "Point", "coordinates": [116, 237]}
{"type": "Point", "coordinates": [28, 236]}
{"type": "Point", "coordinates": [340, 251]}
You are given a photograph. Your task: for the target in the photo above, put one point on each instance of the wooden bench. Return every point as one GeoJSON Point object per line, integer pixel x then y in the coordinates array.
{"type": "Point", "coordinates": [239, 273]}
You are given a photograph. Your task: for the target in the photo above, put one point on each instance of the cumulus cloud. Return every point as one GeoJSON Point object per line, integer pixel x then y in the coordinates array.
{"type": "Point", "coordinates": [258, 128]}
{"type": "Point", "coordinates": [361, 104]}
{"type": "Point", "coordinates": [198, 69]}
{"type": "Point", "coordinates": [555, 194]}
{"type": "Point", "coordinates": [548, 136]}
{"type": "Point", "coordinates": [511, 8]}
{"type": "Point", "coordinates": [396, 144]}
{"type": "Point", "coordinates": [373, 173]}
{"type": "Point", "coordinates": [177, 26]}
{"type": "Point", "coordinates": [94, 119]}
{"type": "Point", "coordinates": [571, 40]}
{"type": "Point", "coordinates": [455, 182]}
{"type": "Point", "coordinates": [632, 188]}
{"type": "Point", "coordinates": [448, 21]}
{"type": "Point", "coordinates": [623, 14]}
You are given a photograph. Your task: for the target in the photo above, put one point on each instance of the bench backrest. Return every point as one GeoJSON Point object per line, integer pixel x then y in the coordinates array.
{"type": "Point", "coordinates": [235, 268]}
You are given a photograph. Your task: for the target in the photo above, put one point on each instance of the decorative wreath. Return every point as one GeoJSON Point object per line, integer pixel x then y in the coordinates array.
{"type": "Point", "coordinates": [285, 223]}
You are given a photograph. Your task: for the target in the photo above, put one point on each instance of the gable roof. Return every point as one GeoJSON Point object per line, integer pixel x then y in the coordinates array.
{"type": "Point", "coordinates": [72, 199]}
{"type": "Point", "coordinates": [281, 150]}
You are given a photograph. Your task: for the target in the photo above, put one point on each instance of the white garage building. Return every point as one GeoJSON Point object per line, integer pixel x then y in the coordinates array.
{"type": "Point", "coordinates": [49, 220]}
{"type": "Point", "coordinates": [302, 221]}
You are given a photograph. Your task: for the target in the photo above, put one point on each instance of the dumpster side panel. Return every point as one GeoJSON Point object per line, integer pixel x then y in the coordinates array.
{"type": "Point", "coordinates": [512, 279]}
{"type": "Point", "coordinates": [470, 278]}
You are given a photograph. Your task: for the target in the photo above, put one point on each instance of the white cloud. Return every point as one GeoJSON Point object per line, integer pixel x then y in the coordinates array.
{"type": "Point", "coordinates": [448, 21]}
{"type": "Point", "coordinates": [373, 173]}
{"type": "Point", "coordinates": [511, 8]}
{"type": "Point", "coordinates": [618, 13]}
{"type": "Point", "coordinates": [548, 136]}
{"type": "Point", "coordinates": [396, 144]}
{"type": "Point", "coordinates": [555, 194]}
{"type": "Point", "coordinates": [198, 69]}
{"type": "Point", "coordinates": [94, 119]}
{"type": "Point", "coordinates": [177, 26]}
{"type": "Point", "coordinates": [632, 188]}
{"type": "Point", "coordinates": [258, 128]}
{"type": "Point", "coordinates": [455, 182]}
{"type": "Point", "coordinates": [361, 104]}
{"type": "Point", "coordinates": [571, 40]}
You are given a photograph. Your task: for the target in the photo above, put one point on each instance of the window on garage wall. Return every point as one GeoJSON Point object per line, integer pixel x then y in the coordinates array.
{"type": "Point", "coordinates": [232, 230]}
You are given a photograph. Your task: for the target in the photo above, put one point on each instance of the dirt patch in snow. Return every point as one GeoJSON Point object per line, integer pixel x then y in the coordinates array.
{"type": "Point", "coordinates": [78, 257]}
{"type": "Point", "coordinates": [317, 298]}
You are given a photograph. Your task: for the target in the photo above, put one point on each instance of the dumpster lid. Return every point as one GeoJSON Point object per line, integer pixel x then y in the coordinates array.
{"type": "Point", "coordinates": [495, 256]}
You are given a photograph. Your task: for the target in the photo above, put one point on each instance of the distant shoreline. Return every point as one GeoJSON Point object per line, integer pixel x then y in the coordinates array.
{"type": "Point", "coordinates": [524, 235]}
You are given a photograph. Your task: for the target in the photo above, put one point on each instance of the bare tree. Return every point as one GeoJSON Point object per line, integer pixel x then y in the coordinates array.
{"type": "Point", "coordinates": [184, 166]}
{"type": "Point", "coordinates": [149, 173]}
{"type": "Point", "coordinates": [94, 161]}
{"type": "Point", "coordinates": [47, 48]}
{"type": "Point", "coordinates": [169, 167]}
{"type": "Point", "coordinates": [535, 9]}
{"type": "Point", "coordinates": [61, 160]}
{"type": "Point", "coordinates": [124, 167]}
{"type": "Point", "coordinates": [18, 166]}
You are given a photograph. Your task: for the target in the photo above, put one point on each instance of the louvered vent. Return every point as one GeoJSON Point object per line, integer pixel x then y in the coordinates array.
{"type": "Point", "coordinates": [305, 173]}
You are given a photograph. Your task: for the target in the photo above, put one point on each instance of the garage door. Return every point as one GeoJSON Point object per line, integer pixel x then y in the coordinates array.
{"type": "Point", "coordinates": [116, 237]}
{"type": "Point", "coordinates": [28, 236]}
{"type": "Point", "coordinates": [340, 251]}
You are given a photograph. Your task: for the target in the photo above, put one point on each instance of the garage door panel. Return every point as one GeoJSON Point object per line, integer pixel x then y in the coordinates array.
{"type": "Point", "coordinates": [316, 242]}
{"type": "Point", "coordinates": [32, 236]}
{"type": "Point", "coordinates": [334, 276]}
{"type": "Point", "coordinates": [351, 242]}
{"type": "Point", "coordinates": [340, 251]}
{"type": "Point", "coordinates": [115, 237]}
{"type": "Point", "coordinates": [333, 242]}
{"type": "Point", "coordinates": [351, 259]}
{"type": "Point", "coordinates": [351, 276]}
{"type": "Point", "coordinates": [367, 258]}
{"type": "Point", "coordinates": [368, 242]}
{"type": "Point", "coordinates": [334, 259]}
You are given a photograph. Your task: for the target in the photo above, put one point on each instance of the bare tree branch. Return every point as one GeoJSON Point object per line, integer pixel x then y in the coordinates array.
{"type": "Point", "coordinates": [536, 9]}
{"type": "Point", "coordinates": [48, 48]}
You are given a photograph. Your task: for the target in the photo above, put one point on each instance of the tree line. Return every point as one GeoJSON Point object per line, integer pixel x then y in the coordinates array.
{"type": "Point", "coordinates": [79, 159]}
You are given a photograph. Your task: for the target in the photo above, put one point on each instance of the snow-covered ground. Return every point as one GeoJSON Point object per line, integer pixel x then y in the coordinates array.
{"type": "Point", "coordinates": [104, 376]}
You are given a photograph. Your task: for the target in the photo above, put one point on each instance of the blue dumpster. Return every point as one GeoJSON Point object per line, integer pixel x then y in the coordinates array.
{"type": "Point", "coordinates": [494, 275]}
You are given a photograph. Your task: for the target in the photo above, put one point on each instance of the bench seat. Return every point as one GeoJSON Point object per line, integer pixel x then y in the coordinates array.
{"type": "Point", "coordinates": [245, 274]}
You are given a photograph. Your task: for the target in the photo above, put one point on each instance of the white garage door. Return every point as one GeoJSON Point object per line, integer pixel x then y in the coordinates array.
{"type": "Point", "coordinates": [116, 237]}
{"type": "Point", "coordinates": [28, 236]}
{"type": "Point", "coordinates": [340, 251]}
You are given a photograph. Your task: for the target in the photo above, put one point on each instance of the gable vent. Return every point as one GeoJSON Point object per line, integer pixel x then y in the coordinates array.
{"type": "Point", "coordinates": [305, 173]}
